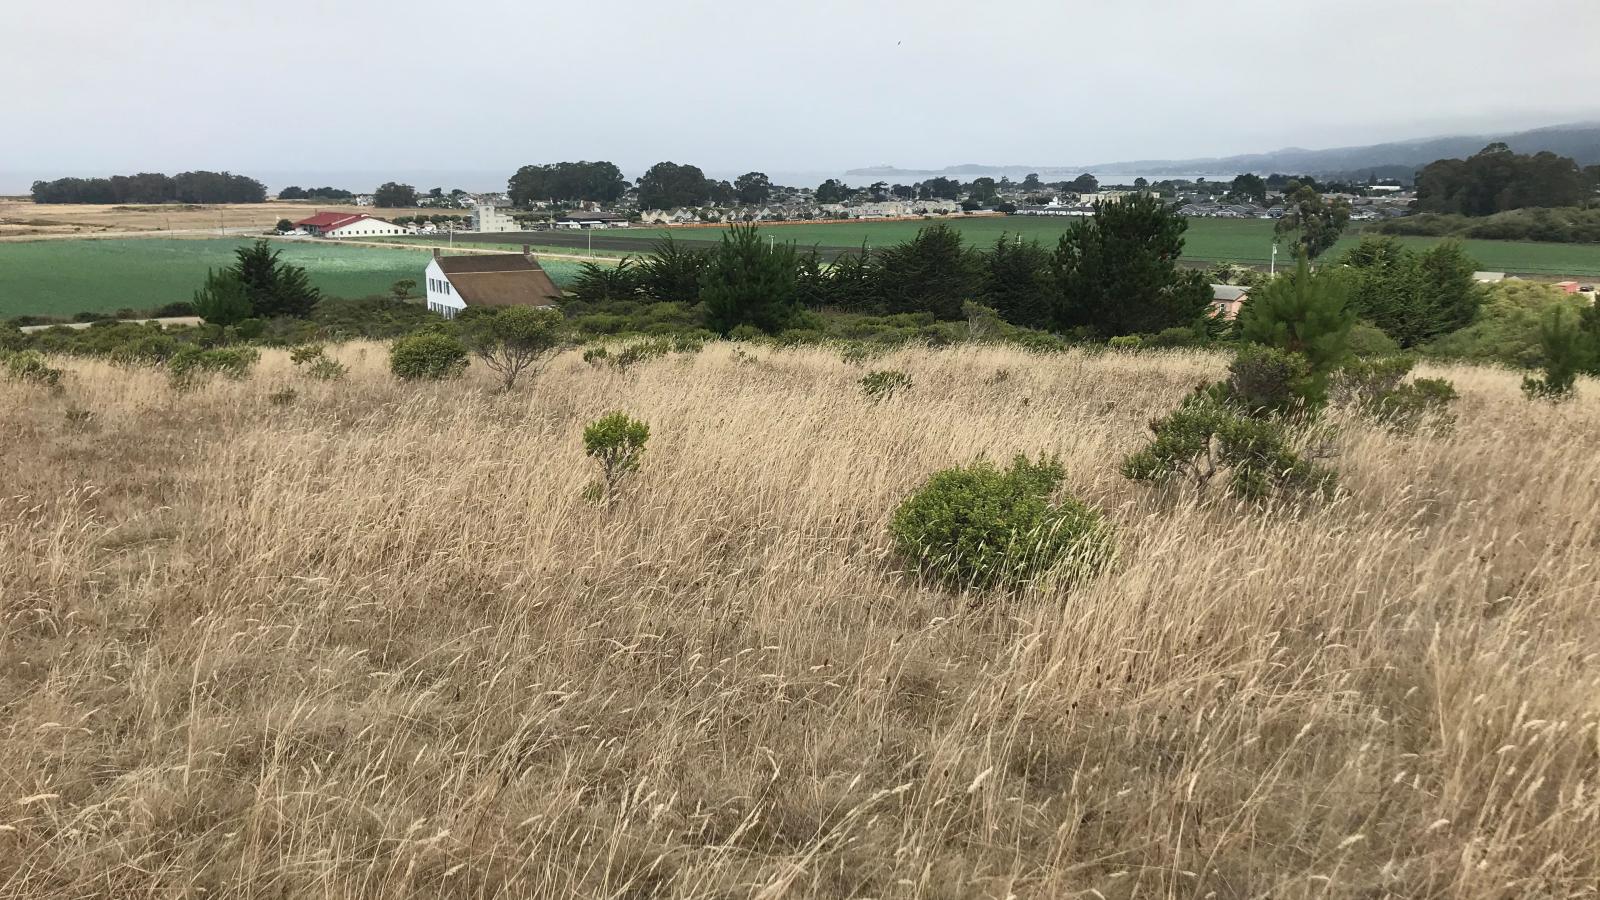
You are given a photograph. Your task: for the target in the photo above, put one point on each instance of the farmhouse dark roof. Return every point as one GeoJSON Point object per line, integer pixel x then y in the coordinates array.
{"type": "Point", "coordinates": [501, 279]}
{"type": "Point", "coordinates": [1228, 292]}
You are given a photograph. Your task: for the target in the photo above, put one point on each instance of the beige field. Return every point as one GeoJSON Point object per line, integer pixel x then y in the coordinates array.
{"type": "Point", "coordinates": [21, 218]}
{"type": "Point", "coordinates": [374, 643]}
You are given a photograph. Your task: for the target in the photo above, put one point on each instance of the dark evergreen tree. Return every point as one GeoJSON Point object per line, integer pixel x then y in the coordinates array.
{"type": "Point", "coordinates": [1305, 313]}
{"type": "Point", "coordinates": [1017, 282]}
{"type": "Point", "coordinates": [1413, 297]}
{"type": "Point", "coordinates": [1117, 273]}
{"type": "Point", "coordinates": [933, 272]}
{"type": "Point", "coordinates": [750, 281]}
{"type": "Point", "coordinates": [274, 287]}
{"type": "Point", "coordinates": [671, 272]}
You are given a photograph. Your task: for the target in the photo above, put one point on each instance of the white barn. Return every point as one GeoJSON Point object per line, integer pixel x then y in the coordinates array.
{"type": "Point", "coordinates": [487, 279]}
{"type": "Point", "coordinates": [348, 225]}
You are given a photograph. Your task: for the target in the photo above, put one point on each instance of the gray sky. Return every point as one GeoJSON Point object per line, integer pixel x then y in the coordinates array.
{"type": "Point", "coordinates": [815, 86]}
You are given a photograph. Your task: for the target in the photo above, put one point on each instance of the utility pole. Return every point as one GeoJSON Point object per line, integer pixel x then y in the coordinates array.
{"type": "Point", "coordinates": [1272, 271]}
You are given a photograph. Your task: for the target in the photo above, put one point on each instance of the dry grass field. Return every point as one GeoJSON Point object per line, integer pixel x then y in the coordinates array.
{"type": "Point", "coordinates": [375, 643]}
{"type": "Point", "coordinates": [22, 218]}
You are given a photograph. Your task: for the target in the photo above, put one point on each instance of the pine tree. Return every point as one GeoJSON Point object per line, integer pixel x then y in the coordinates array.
{"type": "Point", "coordinates": [1303, 312]}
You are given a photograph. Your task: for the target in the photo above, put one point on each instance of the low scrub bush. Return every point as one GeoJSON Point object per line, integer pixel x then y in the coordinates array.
{"type": "Point", "coordinates": [311, 359]}
{"type": "Point", "coordinates": [617, 443]}
{"type": "Point", "coordinates": [1268, 381]}
{"type": "Point", "coordinates": [427, 356]}
{"type": "Point", "coordinates": [1204, 438]}
{"type": "Point", "coordinates": [983, 526]}
{"type": "Point", "coordinates": [1566, 354]}
{"type": "Point", "coordinates": [30, 367]}
{"type": "Point", "coordinates": [190, 364]}
{"type": "Point", "coordinates": [885, 383]}
{"type": "Point", "coordinates": [1377, 388]}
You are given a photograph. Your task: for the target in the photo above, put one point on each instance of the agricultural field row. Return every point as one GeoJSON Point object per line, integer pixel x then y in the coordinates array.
{"type": "Point", "coordinates": [61, 278]}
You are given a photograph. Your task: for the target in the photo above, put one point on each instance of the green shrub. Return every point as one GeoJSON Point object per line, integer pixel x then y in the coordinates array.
{"type": "Point", "coordinates": [1566, 354]}
{"type": "Point", "coordinates": [29, 366]}
{"type": "Point", "coordinates": [1125, 342]}
{"type": "Point", "coordinates": [190, 364]}
{"type": "Point", "coordinates": [511, 339]}
{"type": "Point", "coordinates": [885, 383]}
{"type": "Point", "coordinates": [316, 364]}
{"type": "Point", "coordinates": [146, 350]}
{"type": "Point", "coordinates": [1367, 339]}
{"type": "Point", "coordinates": [978, 525]}
{"type": "Point", "coordinates": [1409, 406]}
{"type": "Point", "coordinates": [305, 354]}
{"type": "Point", "coordinates": [1203, 438]}
{"type": "Point", "coordinates": [12, 338]}
{"type": "Point", "coordinates": [617, 443]}
{"type": "Point", "coordinates": [1176, 339]}
{"type": "Point", "coordinates": [1266, 381]}
{"type": "Point", "coordinates": [427, 356]}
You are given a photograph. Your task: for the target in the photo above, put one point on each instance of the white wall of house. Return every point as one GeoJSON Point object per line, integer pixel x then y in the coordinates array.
{"type": "Point", "coordinates": [442, 296]}
{"type": "Point", "coordinates": [364, 228]}
{"type": "Point", "coordinates": [488, 219]}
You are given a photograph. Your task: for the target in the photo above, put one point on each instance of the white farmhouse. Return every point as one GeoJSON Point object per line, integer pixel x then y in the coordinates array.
{"type": "Point", "coordinates": [347, 225]}
{"type": "Point", "coordinates": [487, 279]}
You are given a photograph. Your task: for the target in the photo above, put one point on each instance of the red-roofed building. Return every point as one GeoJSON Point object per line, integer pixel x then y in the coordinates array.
{"type": "Point", "coordinates": [347, 225]}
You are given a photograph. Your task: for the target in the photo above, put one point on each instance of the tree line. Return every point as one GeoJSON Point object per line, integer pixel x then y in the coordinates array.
{"type": "Point", "coordinates": [153, 187]}
{"type": "Point", "coordinates": [295, 192]}
{"type": "Point", "coordinates": [1495, 180]}
{"type": "Point", "coordinates": [1111, 274]}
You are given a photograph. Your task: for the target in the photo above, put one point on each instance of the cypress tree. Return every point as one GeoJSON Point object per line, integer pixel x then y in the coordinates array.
{"type": "Point", "coordinates": [274, 287]}
{"type": "Point", "coordinates": [1117, 272]}
{"type": "Point", "coordinates": [1017, 282]}
{"type": "Point", "coordinates": [750, 281]}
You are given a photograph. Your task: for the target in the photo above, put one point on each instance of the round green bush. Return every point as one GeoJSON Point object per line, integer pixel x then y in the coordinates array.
{"type": "Point", "coordinates": [427, 356]}
{"type": "Point", "coordinates": [982, 526]}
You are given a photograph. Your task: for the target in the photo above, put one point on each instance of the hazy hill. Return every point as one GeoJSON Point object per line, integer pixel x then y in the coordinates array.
{"type": "Point", "coordinates": [1580, 141]}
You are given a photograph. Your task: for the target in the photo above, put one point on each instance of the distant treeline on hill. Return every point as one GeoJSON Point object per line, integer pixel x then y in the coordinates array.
{"type": "Point", "coordinates": [153, 187]}
{"type": "Point", "coordinates": [1495, 180]}
{"type": "Point", "coordinates": [295, 192]}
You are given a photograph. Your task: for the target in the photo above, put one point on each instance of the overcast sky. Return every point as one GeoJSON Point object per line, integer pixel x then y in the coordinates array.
{"type": "Point", "coordinates": [811, 86]}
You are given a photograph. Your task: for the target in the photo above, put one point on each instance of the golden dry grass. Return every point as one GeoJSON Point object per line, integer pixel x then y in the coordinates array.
{"type": "Point", "coordinates": [24, 219]}
{"type": "Point", "coordinates": [374, 643]}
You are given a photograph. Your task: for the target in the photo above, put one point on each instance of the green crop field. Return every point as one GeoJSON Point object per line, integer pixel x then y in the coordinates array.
{"type": "Point", "coordinates": [64, 277]}
{"type": "Point", "coordinates": [1208, 241]}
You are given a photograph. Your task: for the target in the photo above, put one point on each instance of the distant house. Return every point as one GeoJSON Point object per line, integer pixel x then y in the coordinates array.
{"type": "Point", "coordinates": [1227, 300]}
{"type": "Point", "coordinates": [1488, 277]}
{"type": "Point", "coordinates": [500, 279]}
{"type": "Point", "coordinates": [347, 225]}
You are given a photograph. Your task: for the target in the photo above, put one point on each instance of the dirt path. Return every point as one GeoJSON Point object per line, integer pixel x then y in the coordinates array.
{"type": "Point", "coordinates": [166, 322]}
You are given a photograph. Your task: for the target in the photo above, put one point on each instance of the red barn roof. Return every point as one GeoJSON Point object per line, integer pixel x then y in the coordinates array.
{"type": "Point", "coordinates": [329, 220]}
